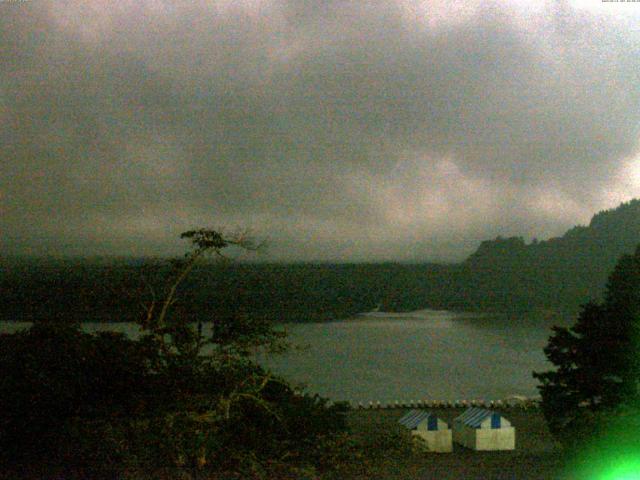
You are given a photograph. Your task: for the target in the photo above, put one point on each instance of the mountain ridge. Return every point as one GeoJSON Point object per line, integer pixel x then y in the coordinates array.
{"type": "Point", "coordinates": [507, 272]}
{"type": "Point", "coordinates": [502, 275]}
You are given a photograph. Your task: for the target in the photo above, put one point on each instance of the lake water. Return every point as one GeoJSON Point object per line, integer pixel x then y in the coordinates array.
{"type": "Point", "coordinates": [426, 354]}
{"type": "Point", "coordinates": [408, 356]}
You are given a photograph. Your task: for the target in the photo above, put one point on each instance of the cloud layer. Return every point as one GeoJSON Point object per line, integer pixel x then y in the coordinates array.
{"type": "Point", "coordinates": [349, 130]}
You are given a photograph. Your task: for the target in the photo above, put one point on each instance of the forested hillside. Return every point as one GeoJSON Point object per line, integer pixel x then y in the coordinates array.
{"type": "Point", "coordinates": [504, 274]}
{"type": "Point", "coordinates": [115, 290]}
{"type": "Point", "coordinates": [557, 274]}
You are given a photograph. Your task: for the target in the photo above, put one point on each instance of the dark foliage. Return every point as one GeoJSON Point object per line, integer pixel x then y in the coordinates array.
{"type": "Point", "coordinates": [80, 405]}
{"type": "Point", "coordinates": [52, 374]}
{"type": "Point", "coordinates": [597, 360]}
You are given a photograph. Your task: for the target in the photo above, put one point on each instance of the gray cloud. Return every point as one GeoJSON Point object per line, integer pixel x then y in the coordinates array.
{"type": "Point", "coordinates": [341, 130]}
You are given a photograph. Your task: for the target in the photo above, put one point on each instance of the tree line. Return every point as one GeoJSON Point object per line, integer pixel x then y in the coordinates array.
{"type": "Point", "coordinates": [504, 274]}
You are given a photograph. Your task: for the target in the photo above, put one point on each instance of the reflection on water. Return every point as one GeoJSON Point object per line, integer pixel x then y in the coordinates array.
{"type": "Point", "coordinates": [402, 356]}
{"type": "Point", "coordinates": [425, 354]}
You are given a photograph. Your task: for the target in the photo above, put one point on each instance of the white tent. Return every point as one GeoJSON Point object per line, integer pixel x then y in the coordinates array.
{"type": "Point", "coordinates": [435, 433]}
{"type": "Point", "coordinates": [481, 429]}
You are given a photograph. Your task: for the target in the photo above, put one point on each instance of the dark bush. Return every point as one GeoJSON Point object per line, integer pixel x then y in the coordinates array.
{"type": "Point", "coordinates": [89, 406]}
{"type": "Point", "coordinates": [52, 373]}
{"type": "Point", "coordinates": [79, 405]}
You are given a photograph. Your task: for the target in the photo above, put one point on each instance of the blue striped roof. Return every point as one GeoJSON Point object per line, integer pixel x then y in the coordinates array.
{"type": "Point", "coordinates": [412, 419]}
{"type": "Point", "coordinates": [473, 417]}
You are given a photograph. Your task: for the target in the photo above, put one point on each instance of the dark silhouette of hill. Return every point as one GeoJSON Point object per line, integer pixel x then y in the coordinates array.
{"type": "Point", "coordinates": [505, 274]}
{"type": "Point", "coordinates": [558, 274]}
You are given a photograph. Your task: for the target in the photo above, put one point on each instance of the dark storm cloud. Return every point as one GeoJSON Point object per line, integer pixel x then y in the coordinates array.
{"type": "Point", "coordinates": [342, 130]}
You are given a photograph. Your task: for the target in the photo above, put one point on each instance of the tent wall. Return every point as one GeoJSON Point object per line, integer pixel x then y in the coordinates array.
{"type": "Point", "coordinates": [485, 438]}
{"type": "Point", "coordinates": [496, 439]}
{"type": "Point", "coordinates": [436, 440]}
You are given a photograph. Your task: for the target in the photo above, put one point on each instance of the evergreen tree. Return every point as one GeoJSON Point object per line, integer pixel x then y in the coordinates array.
{"type": "Point", "coordinates": [598, 359]}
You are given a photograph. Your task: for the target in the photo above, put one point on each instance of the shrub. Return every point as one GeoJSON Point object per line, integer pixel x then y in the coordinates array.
{"type": "Point", "coordinates": [53, 373]}
{"type": "Point", "coordinates": [79, 405]}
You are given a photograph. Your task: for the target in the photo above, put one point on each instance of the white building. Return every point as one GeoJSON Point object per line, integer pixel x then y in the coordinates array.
{"type": "Point", "coordinates": [481, 429]}
{"type": "Point", "coordinates": [435, 433]}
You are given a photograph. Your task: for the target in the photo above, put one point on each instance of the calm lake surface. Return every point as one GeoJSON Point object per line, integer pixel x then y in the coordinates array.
{"type": "Point", "coordinates": [419, 355]}
{"type": "Point", "coordinates": [407, 356]}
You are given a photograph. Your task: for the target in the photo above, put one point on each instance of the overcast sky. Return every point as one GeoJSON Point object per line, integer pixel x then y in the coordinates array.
{"type": "Point", "coordinates": [341, 130]}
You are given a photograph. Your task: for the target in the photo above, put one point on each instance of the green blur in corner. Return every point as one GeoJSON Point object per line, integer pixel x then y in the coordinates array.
{"type": "Point", "coordinates": [625, 468]}
{"type": "Point", "coordinates": [614, 453]}
{"type": "Point", "coordinates": [629, 470]}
